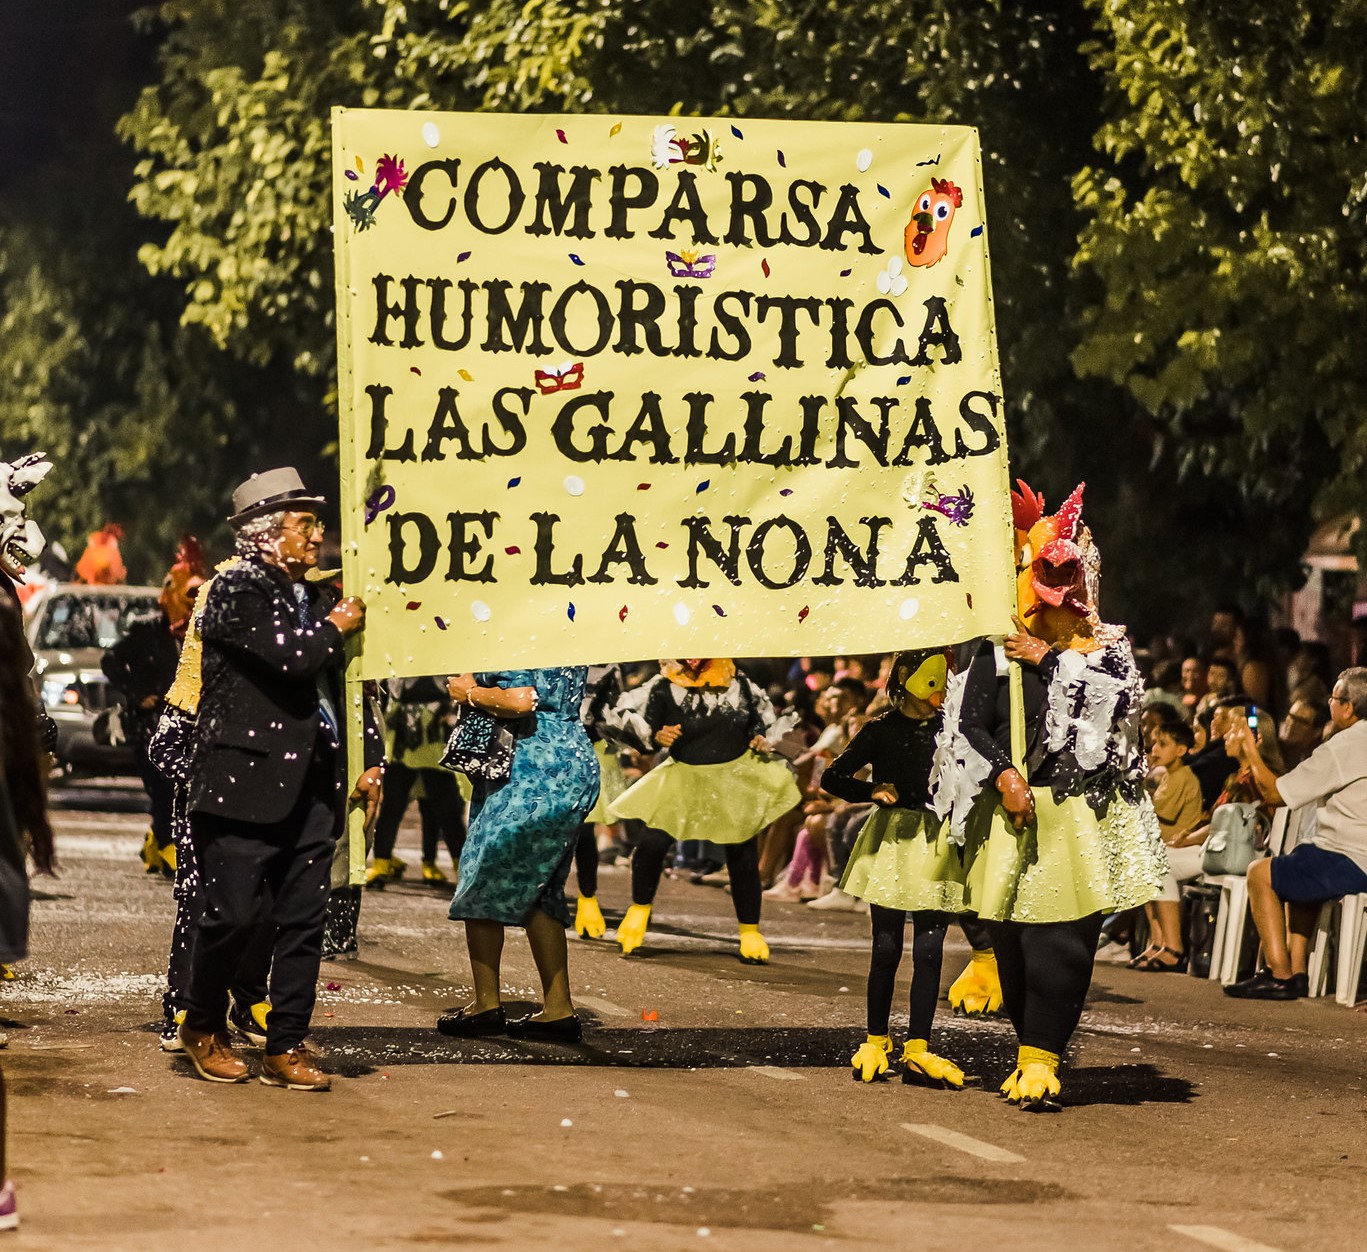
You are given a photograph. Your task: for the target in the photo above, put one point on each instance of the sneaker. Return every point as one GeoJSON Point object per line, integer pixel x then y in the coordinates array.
{"type": "Point", "coordinates": [295, 1070]}
{"type": "Point", "coordinates": [170, 1033]}
{"type": "Point", "coordinates": [9, 1210]}
{"type": "Point", "coordinates": [212, 1056]}
{"type": "Point", "coordinates": [837, 901]}
{"type": "Point", "coordinates": [782, 891]}
{"type": "Point", "coordinates": [249, 1023]}
{"type": "Point", "coordinates": [1265, 985]}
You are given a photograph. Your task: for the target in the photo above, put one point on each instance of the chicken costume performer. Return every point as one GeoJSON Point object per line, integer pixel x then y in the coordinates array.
{"type": "Point", "coordinates": [902, 862]}
{"type": "Point", "coordinates": [719, 784]}
{"type": "Point", "coordinates": [1047, 858]}
{"type": "Point", "coordinates": [603, 691]}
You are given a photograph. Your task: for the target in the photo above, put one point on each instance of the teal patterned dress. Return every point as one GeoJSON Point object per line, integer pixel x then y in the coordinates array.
{"type": "Point", "coordinates": [522, 833]}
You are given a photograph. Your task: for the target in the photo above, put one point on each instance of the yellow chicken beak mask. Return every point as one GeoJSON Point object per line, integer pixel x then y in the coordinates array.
{"type": "Point", "coordinates": [1056, 570]}
{"type": "Point", "coordinates": [923, 673]}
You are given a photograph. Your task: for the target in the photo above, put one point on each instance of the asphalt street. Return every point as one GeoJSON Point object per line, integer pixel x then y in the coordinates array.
{"type": "Point", "coordinates": [711, 1104]}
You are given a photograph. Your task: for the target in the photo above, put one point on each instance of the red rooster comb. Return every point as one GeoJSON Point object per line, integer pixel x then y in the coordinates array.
{"type": "Point", "coordinates": [943, 187]}
{"type": "Point", "coordinates": [1027, 506]}
{"type": "Point", "coordinates": [190, 556]}
{"type": "Point", "coordinates": [1071, 514]}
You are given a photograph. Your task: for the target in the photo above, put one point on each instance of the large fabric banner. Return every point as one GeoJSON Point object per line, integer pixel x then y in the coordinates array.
{"type": "Point", "coordinates": [626, 387]}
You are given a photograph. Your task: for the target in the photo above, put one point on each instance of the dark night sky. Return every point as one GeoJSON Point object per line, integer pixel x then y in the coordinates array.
{"type": "Point", "coordinates": [68, 68]}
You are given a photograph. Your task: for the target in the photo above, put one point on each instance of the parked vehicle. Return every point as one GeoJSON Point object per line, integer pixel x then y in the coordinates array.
{"type": "Point", "coordinates": [69, 629]}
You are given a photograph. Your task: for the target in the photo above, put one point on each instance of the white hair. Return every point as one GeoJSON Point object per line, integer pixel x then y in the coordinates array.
{"type": "Point", "coordinates": [258, 534]}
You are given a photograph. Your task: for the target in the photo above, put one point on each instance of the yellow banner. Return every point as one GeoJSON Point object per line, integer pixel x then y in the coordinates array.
{"type": "Point", "coordinates": [625, 387]}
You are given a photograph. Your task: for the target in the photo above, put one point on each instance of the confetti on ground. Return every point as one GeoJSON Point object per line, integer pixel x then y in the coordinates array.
{"type": "Point", "coordinates": [566, 1123]}
{"type": "Point", "coordinates": [649, 1015]}
{"type": "Point", "coordinates": [334, 986]}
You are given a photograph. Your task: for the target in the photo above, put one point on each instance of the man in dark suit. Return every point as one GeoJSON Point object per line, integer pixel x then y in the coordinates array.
{"type": "Point", "coordinates": [267, 777]}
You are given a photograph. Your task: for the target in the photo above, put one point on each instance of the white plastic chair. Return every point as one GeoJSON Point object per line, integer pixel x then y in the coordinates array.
{"type": "Point", "coordinates": [1232, 910]}
{"type": "Point", "coordinates": [1317, 967]}
{"type": "Point", "coordinates": [1352, 947]}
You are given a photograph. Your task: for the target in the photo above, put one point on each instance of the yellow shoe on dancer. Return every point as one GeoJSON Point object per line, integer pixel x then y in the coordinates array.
{"type": "Point", "coordinates": [631, 930]}
{"type": "Point", "coordinates": [977, 992]}
{"type": "Point", "coordinates": [922, 1068]}
{"type": "Point", "coordinates": [588, 919]}
{"type": "Point", "coordinates": [870, 1062]}
{"type": "Point", "coordinates": [432, 873]}
{"type": "Point", "coordinates": [753, 949]}
{"type": "Point", "coordinates": [1034, 1084]}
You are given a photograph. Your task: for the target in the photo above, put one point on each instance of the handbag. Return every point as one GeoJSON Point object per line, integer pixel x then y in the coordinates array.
{"type": "Point", "coordinates": [481, 747]}
{"type": "Point", "coordinates": [1236, 830]}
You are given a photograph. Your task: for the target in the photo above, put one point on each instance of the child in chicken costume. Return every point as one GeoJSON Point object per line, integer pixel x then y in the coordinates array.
{"type": "Point", "coordinates": [1046, 859]}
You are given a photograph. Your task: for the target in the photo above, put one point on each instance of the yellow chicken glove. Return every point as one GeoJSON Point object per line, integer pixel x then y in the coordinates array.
{"type": "Point", "coordinates": [977, 992]}
{"type": "Point", "coordinates": [588, 919]}
{"type": "Point", "coordinates": [922, 1068]}
{"type": "Point", "coordinates": [753, 949]}
{"type": "Point", "coordinates": [631, 930]}
{"type": "Point", "coordinates": [1034, 1085]}
{"type": "Point", "coordinates": [870, 1062]}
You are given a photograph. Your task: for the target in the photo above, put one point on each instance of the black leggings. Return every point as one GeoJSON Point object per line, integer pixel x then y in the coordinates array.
{"type": "Point", "coordinates": [975, 931]}
{"type": "Point", "coordinates": [1045, 971]}
{"type": "Point", "coordinates": [742, 862]}
{"type": "Point", "coordinates": [441, 809]}
{"type": "Point", "coordinates": [586, 860]}
{"type": "Point", "coordinates": [927, 949]}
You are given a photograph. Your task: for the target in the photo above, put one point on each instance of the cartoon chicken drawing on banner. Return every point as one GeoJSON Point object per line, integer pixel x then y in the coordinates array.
{"type": "Point", "coordinates": [927, 234]}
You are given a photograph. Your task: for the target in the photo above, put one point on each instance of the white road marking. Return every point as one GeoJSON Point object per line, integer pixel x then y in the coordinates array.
{"type": "Point", "coordinates": [964, 1143]}
{"type": "Point", "coordinates": [606, 1007]}
{"type": "Point", "coordinates": [1226, 1240]}
{"type": "Point", "coordinates": [780, 1075]}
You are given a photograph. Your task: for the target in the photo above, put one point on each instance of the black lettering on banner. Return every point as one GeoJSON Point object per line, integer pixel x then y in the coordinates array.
{"type": "Point", "coordinates": [751, 195]}
{"type": "Point", "coordinates": [466, 546]}
{"type": "Point", "coordinates": [553, 207]}
{"type": "Point", "coordinates": [562, 430]}
{"type": "Point", "coordinates": [863, 564]}
{"type": "Point", "coordinates": [923, 433]}
{"type": "Point", "coordinates": [510, 421]}
{"type": "Point", "coordinates": [412, 197]}
{"type": "Point", "coordinates": [686, 206]}
{"type": "Point", "coordinates": [560, 316]}
{"type": "Point", "coordinates": [696, 454]}
{"type": "Point", "coordinates": [437, 318]}
{"type": "Point", "coordinates": [516, 196]}
{"type": "Point", "coordinates": [688, 320]}
{"type": "Point", "coordinates": [429, 545]}
{"type": "Point", "coordinates": [863, 332]}
{"type": "Point", "coordinates": [983, 423]}
{"type": "Point", "coordinates": [803, 213]}
{"type": "Point", "coordinates": [649, 427]}
{"type": "Point", "coordinates": [702, 542]}
{"type": "Point", "coordinates": [802, 552]}
{"type": "Point", "coordinates": [379, 429]}
{"type": "Point", "coordinates": [788, 308]}
{"type": "Point", "coordinates": [523, 326]}
{"type": "Point", "coordinates": [447, 423]}
{"type": "Point", "coordinates": [848, 219]}
{"type": "Point", "coordinates": [545, 552]}
{"type": "Point", "coordinates": [752, 453]}
{"type": "Point", "coordinates": [731, 324]}
{"type": "Point", "coordinates": [840, 308]}
{"type": "Point", "coordinates": [937, 332]}
{"type": "Point", "coordinates": [408, 310]}
{"type": "Point", "coordinates": [645, 319]}
{"type": "Point", "coordinates": [849, 422]}
{"type": "Point", "coordinates": [928, 550]}
{"type": "Point", "coordinates": [620, 200]}
{"type": "Point", "coordinates": [811, 429]}
{"type": "Point", "coordinates": [624, 549]}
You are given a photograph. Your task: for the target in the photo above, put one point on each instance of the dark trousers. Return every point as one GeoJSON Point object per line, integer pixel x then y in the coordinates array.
{"type": "Point", "coordinates": [441, 809]}
{"type": "Point", "coordinates": [742, 861]}
{"type": "Point", "coordinates": [154, 782]}
{"type": "Point", "coordinates": [1045, 970]}
{"type": "Point", "coordinates": [586, 860]}
{"type": "Point", "coordinates": [253, 968]}
{"type": "Point", "coordinates": [278, 870]}
{"type": "Point", "coordinates": [927, 952]}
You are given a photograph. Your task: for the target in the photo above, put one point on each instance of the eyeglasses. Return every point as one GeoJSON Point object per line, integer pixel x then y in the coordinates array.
{"type": "Point", "coordinates": [307, 526]}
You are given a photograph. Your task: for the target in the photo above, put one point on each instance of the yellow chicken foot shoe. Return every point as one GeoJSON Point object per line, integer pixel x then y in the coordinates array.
{"type": "Point", "coordinates": [168, 858]}
{"type": "Point", "coordinates": [922, 1068]}
{"type": "Point", "coordinates": [588, 919]}
{"type": "Point", "coordinates": [432, 874]}
{"type": "Point", "coordinates": [977, 992]}
{"type": "Point", "coordinates": [383, 869]}
{"type": "Point", "coordinates": [150, 854]}
{"type": "Point", "coordinates": [7, 973]}
{"type": "Point", "coordinates": [870, 1062]}
{"type": "Point", "coordinates": [1034, 1085]}
{"type": "Point", "coordinates": [753, 949]}
{"type": "Point", "coordinates": [631, 930]}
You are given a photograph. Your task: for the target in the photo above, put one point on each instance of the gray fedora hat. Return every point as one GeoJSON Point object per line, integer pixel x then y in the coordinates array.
{"type": "Point", "coordinates": [272, 491]}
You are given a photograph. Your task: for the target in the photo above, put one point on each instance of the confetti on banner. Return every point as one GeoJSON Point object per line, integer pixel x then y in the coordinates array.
{"type": "Point", "coordinates": [764, 265]}
{"type": "Point", "coordinates": [718, 610]}
{"type": "Point", "coordinates": [642, 486]}
{"type": "Point", "coordinates": [513, 550]}
{"type": "Point", "coordinates": [883, 191]}
{"type": "Point", "coordinates": [782, 160]}
{"type": "Point", "coordinates": [622, 613]}
{"type": "Point", "coordinates": [441, 623]}
{"type": "Point", "coordinates": [465, 374]}
{"type": "Point", "coordinates": [802, 613]}
{"type": "Point", "coordinates": [464, 256]}
{"type": "Point", "coordinates": [786, 491]}
{"type": "Point", "coordinates": [757, 376]}
{"type": "Point", "coordinates": [513, 482]}
{"type": "Point", "coordinates": [413, 369]}
{"type": "Point", "coordinates": [976, 231]}
{"type": "Point", "coordinates": [702, 486]}
{"type": "Point", "coordinates": [735, 130]}
{"type": "Point", "coordinates": [351, 174]}
{"type": "Point", "coordinates": [574, 256]}
{"type": "Point", "coordinates": [412, 605]}
{"type": "Point", "coordinates": [615, 131]}
{"type": "Point", "coordinates": [560, 135]}
{"type": "Point", "coordinates": [569, 612]}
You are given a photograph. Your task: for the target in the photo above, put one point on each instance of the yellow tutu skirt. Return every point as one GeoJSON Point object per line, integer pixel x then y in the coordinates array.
{"type": "Point", "coordinates": [903, 859]}
{"type": "Point", "coordinates": [612, 783]}
{"type": "Point", "coordinates": [1069, 864]}
{"type": "Point", "coordinates": [726, 803]}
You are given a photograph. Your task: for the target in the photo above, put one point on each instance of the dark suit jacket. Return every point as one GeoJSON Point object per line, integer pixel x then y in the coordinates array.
{"type": "Point", "coordinates": [259, 712]}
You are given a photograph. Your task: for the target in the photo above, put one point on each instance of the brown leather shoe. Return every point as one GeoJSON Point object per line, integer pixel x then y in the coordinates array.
{"type": "Point", "coordinates": [212, 1055]}
{"type": "Point", "coordinates": [295, 1069]}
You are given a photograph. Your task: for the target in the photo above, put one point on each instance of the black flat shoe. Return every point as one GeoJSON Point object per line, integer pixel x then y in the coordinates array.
{"type": "Point", "coordinates": [462, 1025]}
{"type": "Point", "coordinates": [562, 1030]}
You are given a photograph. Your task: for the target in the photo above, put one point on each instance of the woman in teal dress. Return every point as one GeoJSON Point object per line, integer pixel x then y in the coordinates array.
{"type": "Point", "coordinates": [520, 843]}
